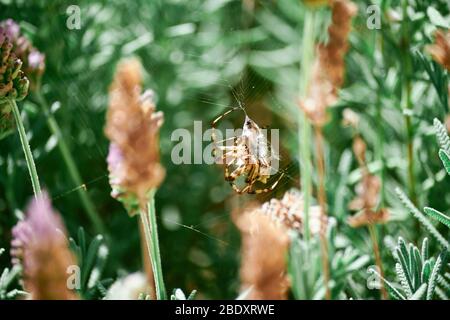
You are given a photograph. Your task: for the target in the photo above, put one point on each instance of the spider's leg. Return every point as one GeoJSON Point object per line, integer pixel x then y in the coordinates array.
{"type": "Point", "coordinates": [240, 191]}
{"type": "Point", "coordinates": [252, 172]}
{"type": "Point", "coordinates": [213, 126]}
{"type": "Point", "coordinates": [273, 186]}
{"type": "Point", "coordinates": [236, 173]}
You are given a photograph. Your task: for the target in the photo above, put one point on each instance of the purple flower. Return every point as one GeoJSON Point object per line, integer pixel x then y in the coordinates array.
{"type": "Point", "coordinates": [10, 29]}
{"type": "Point", "coordinates": [41, 225]}
{"type": "Point", "coordinates": [36, 60]}
{"type": "Point", "coordinates": [22, 48]}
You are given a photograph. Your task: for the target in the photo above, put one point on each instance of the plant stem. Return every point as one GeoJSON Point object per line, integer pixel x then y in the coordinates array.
{"type": "Point", "coordinates": [304, 133]}
{"type": "Point", "coordinates": [71, 166]}
{"type": "Point", "coordinates": [406, 101]}
{"type": "Point", "coordinates": [148, 217]}
{"type": "Point", "coordinates": [26, 149]}
{"type": "Point", "coordinates": [322, 199]}
{"type": "Point", "coordinates": [378, 261]}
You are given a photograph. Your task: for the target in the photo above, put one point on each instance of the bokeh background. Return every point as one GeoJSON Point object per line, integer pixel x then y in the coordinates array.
{"type": "Point", "coordinates": [200, 57]}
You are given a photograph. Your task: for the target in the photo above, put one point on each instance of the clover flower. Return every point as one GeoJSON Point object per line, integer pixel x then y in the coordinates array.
{"type": "Point", "coordinates": [33, 60]}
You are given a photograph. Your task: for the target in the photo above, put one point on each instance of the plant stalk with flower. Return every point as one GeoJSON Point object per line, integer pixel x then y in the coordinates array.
{"type": "Point", "coordinates": [133, 160]}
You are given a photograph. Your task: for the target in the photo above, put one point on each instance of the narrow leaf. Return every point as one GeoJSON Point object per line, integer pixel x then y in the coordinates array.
{"type": "Point", "coordinates": [439, 216]}
{"type": "Point", "coordinates": [445, 158]}
{"type": "Point", "coordinates": [419, 293]}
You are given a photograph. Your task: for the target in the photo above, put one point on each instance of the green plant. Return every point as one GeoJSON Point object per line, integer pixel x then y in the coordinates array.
{"type": "Point", "coordinates": [7, 277]}
{"type": "Point", "coordinates": [419, 276]}
{"type": "Point", "coordinates": [92, 257]}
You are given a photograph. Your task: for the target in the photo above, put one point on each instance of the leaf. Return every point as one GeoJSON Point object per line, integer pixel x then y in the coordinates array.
{"type": "Point", "coordinates": [424, 251]}
{"type": "Point", "coordinates": [90, 258]}
{"type": "Point", "coordinates": [404, 280]}
{"type": "Point", "coordinates": [433, 278]}
{"type": "Point", "coordinates": [442, 136]}
{"type": "Point", "coordinates": [419, 293]}
{"type": "Point", "coordinates": [445, 160]}
{"type": "Point", "coordinates": [439, 216]}
{"type": "Point", "coordinates": [422, 219]}
{"type": "Point", "coordinates": [436, 18]}
{"type": "Point", "coordinates": [192, 295]}
{"type": "Point", "coordinates": [426, 271]}
{"type": "Point", "coordinates": [417, 266]}
{"type": "Point", "coordinates": [391, 289]}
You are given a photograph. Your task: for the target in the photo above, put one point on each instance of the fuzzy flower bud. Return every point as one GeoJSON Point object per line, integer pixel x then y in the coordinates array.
{"type": "Point", "coordinates": [40, 245]}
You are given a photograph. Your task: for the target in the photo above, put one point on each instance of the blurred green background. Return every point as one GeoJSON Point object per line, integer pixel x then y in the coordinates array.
{"type": "Point", "coordinates": [196, 54]}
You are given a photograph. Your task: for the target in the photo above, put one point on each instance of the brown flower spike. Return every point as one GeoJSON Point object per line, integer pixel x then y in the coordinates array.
{"type": "Point", "coordinates": [265, 243]}
{"type": "Point", "coordinates": [440, 50]}
{"type": "Point", "coordinates": [329, 67]}
{"type": "Point", "coordinates": [264, 250]}
{"type": "Point", "coordinates": [133, 127]}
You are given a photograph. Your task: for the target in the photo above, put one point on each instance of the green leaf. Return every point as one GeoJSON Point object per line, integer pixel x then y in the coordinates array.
{"type": "Point", "coordinates": [192, 295]}
{"type": "Point", "coordinates": [424, 251]}
{"type": "Point", "coordinates": [436, 18]}
{"type": "Point", "coordinates": [417, 267]}
{"type": "Point", "coordinates": [439, 216]}
{"type": "Point", "coordinates": [426, 271]}
{"type": "Point", "coordinates": [422, 219]}
{"type": "Point", "coordinates": [404, 280]}
{"type": "Point", "coordinates": [433, 278]}
{"type": "Point", "coordinates": [445, 160]}
{"type": "Point", "coordinates": [442, 136]}
{"type": "Point", "coordinates": [91, 257]}
{"type": "Point", "coordinates": [419, 293]}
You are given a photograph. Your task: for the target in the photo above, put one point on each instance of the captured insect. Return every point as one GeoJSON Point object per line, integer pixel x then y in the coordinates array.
{"type": "Point", "coordinates": [248, 159]}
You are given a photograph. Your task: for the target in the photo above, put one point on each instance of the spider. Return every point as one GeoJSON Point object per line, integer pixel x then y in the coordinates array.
{"type": "Point", "coordinates": [249, 157]}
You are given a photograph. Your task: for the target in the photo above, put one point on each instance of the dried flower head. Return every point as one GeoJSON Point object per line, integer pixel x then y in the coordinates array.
{"type": "Point", "coordinates": [133, 127]}
{"type": "Point", "coordinates": [288, 212]}
{"type": "Point", "coordinates": [40, 245]}
{"type": "Point", "coordinates": [329, 67]}
{"type": "Point", "coordinates": [367, 192]}
{"type": "Point", "coordinates": [263, 260]}
{"type": "Point", "coordinates": [440, 50]}
{"type": "Point", "coordinates": [359, 149]}
{"type": "Point", "coordinates": [368, 217]}
{"type": "Point", "coordinates": [33, 60]}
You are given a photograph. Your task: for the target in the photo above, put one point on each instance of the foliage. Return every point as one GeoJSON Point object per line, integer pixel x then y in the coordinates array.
{"type": "Point", "coordinates": [420, 276]}
{"type": "Point", "coordinates": [200, 58]}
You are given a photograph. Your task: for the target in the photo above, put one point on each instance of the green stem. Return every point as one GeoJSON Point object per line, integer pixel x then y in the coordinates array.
{"type": "Point", "coordinates": [304, 133]}
{"type": "Point", "coordinates": [26, 149]}
{"type": "Point", "coordinates": [148, 218]}
{"type": "Point", "coordinates": [406, 101]}
{"type": "Point", "coordinates": [71, 166]}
